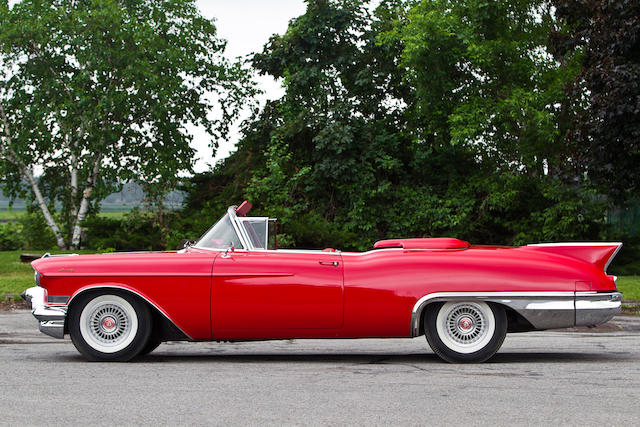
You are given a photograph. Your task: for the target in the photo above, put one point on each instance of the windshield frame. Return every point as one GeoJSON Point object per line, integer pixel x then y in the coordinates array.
{"type": "Point", "coordinates": [240, 231]}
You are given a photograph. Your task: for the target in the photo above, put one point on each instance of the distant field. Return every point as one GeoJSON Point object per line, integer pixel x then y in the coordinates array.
{"type": "Point", "coordinates": [15, 214]}
{"type": "Point", "coordinates": [12, 215]}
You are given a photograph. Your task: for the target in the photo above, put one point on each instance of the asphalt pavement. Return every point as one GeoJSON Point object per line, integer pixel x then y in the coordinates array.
{"type": "Point", "coordinates": [585, 377]}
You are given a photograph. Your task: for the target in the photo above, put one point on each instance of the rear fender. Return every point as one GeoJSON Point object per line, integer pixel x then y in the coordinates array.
{"type": "Point", "coordinates": [543, 310]}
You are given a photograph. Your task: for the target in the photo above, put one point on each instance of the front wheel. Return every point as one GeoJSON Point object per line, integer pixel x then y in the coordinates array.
{"type": "Point", "coordinates": [109, 327]}
{"type": "Point", "coordinates": [465, 331]}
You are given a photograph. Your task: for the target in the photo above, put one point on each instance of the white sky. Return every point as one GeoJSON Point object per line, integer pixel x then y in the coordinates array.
{"type": "Point", "coordinates": [247, 26]}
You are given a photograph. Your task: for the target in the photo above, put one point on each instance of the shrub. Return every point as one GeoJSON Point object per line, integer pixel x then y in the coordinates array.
{"type": "Point", "coordinates": [11, 237]}
{"type": "Point", "coordinates": [35, 232]}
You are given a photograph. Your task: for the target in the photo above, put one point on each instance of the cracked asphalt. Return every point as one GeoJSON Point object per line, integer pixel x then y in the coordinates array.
{"type": "Point", "coordinates": [583, 377]}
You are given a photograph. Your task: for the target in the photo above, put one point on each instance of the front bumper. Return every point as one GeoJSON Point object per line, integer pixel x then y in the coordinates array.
{"type": "Point", "coordinates": [51, 318]}
{"type": "Point", "coordinates": [595, 308]}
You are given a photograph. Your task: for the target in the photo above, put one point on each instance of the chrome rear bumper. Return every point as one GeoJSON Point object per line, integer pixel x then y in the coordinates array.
{"type": "Point", "coordinates": [51, 318]}
{"type": "Point", "coordinates": [595, 308]}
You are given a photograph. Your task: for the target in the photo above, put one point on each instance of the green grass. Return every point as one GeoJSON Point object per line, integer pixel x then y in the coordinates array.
{"type": "Point", "coordinates": [12, 215]}
{"type": "Point", "coordinates": [630, 287]}
{"type": "Point", "coordinates": [114, 215]}
{"type": "Point", "coordinates": [16, 214]}
{"type": "Point", "coordinates": [16, 276]}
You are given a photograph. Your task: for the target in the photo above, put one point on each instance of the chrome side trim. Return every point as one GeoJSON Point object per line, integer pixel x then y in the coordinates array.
{"type": "Point", "coordinates": [160, 310]}
{"type": "Point", "coordinates": [576, 244]}
{"type": "Point", "coordinates": [544, 310]}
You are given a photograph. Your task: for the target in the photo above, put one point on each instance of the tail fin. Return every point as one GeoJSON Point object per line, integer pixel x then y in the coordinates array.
{"type": "Point", "coordinates": [598, 253]}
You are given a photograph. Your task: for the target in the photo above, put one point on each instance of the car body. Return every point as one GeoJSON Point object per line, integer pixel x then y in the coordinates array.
{"type": "Point", "coordinates": [230, 286]}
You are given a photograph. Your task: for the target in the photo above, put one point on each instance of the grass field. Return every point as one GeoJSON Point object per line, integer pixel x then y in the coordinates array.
{"type": "Point", "coordinates": [15, 277]}
{"type": "Point", "coordinates": [11, 215]}
{"type": "Point", "coordinates": [14, 215]}
{"type": "Point", "coordinates": [630, 287]}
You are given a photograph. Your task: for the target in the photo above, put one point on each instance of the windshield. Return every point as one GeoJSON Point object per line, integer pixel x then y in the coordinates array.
{"type": "Point", "coordinates": [257, 231]}
{"type": "Point", "coordinates": [221, 236]}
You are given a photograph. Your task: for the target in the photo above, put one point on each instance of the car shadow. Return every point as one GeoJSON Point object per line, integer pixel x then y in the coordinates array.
{"type": "Point", "coordinates": [375, 358]}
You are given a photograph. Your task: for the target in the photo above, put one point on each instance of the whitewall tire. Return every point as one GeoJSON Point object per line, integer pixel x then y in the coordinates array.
{"type": "Point", "coordinates": [465, 331]}
{"type": "Point", "coordinates": [112, 326]}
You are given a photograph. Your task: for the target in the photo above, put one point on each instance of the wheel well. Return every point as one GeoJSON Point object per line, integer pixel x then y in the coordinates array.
{"type": "Point", "coordinates": [162, 327]}
{"type": "Point", "coordinates": [515, 321]}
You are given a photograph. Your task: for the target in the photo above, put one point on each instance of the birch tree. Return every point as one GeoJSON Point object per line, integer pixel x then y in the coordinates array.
{"type": "Point", "coordinates": [93, 93]}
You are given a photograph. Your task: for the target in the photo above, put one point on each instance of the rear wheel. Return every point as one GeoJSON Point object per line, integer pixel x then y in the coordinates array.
{"type": "Point", "coordinates": [152, 344]}
{"type": "Point", "coordinates": [109, 326]}
{"type": "Point", "coordinates": [465, 331]}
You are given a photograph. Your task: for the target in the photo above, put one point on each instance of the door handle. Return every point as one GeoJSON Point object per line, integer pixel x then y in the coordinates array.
{"type": "Point", "coordinates": [333, 263]}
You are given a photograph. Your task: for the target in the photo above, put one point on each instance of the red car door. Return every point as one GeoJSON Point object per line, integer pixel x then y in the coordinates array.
{"type": "Point", "coordinates": [270, 290]}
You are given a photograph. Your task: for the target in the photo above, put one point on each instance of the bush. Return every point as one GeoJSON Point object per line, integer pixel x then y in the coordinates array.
{"type": "Point", "coordinates": [136, 231]}
{"type": "Point", "coordinates": [35, 232]}
{"type": "Point", "coordinates": [627, 261]}
{"type": "Point", "coordinates": [11, 237]}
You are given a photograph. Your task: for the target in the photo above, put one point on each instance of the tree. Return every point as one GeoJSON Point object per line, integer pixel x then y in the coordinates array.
{"type": "Point", "coordinates": [93, 93]}
{"type": "Point", "coordinates": [419, 118]}
{"type": "Point", "coordinates": [603, 36]}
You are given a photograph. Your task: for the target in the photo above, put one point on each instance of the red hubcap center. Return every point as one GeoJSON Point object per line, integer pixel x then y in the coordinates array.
{"type": "Point", "coordinates": [465, 323]}
{"type": "Point", "coordinates": [108, 323]}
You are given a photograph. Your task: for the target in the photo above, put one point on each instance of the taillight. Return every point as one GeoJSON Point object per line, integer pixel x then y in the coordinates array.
{"type": "Point", "coordinates": [36, 277]}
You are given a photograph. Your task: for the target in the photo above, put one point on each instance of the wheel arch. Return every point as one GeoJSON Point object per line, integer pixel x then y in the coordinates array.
{"type": "Point", "coordinates": [519, 316]}
{"type": "Point", "coordinates": [162, 322]}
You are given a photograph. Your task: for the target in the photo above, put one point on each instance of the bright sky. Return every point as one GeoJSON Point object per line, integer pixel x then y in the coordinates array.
{"type": "Point", "coordinates": [247, 26]}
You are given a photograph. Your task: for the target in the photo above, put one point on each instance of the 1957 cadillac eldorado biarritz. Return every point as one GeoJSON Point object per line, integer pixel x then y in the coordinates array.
{"type": "Point", "coordinates": [230, 286]}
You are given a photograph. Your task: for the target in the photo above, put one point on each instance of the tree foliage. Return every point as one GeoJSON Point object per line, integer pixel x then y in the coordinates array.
{"type": "Point", "coordinates": [604, 36]}
{"type": "Point", "coordinates": [93, 93]}
{"type": "Point", "coordinates": [419, 118]}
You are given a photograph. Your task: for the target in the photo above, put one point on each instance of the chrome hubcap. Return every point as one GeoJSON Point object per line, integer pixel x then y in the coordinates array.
{"type": "Point", "coordinates": [465, 324]}
{"type": "Point", "coordinates": [109, 323]}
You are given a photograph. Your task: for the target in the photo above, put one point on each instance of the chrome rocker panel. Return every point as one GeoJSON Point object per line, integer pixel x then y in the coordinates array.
{"type": "Point", "coordinates": [51, 318]}
{"type": "Point", "coordinates": [544, 310]}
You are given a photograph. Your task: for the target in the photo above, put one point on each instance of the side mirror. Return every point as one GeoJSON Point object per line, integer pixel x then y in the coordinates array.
{"type": "Point", "coordinates": [231, 249]}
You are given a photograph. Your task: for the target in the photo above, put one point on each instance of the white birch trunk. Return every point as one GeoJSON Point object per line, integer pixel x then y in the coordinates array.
{"type": "Point", "coordinates": [45, 210]}
{"type": "Point", "coordinates": [84, 204]}
{"type": "Point", "coordinates": [28, 175]}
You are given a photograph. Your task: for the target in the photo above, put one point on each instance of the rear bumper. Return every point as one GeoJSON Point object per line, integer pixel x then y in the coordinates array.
{"type": "Point", "coordinates": [594, 308]}
{"type": "Point", "coordinates": [51, 318]}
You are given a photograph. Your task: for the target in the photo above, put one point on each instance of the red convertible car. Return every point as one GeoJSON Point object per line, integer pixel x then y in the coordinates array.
{"type": "Point", "coordinates": [230, 286]}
